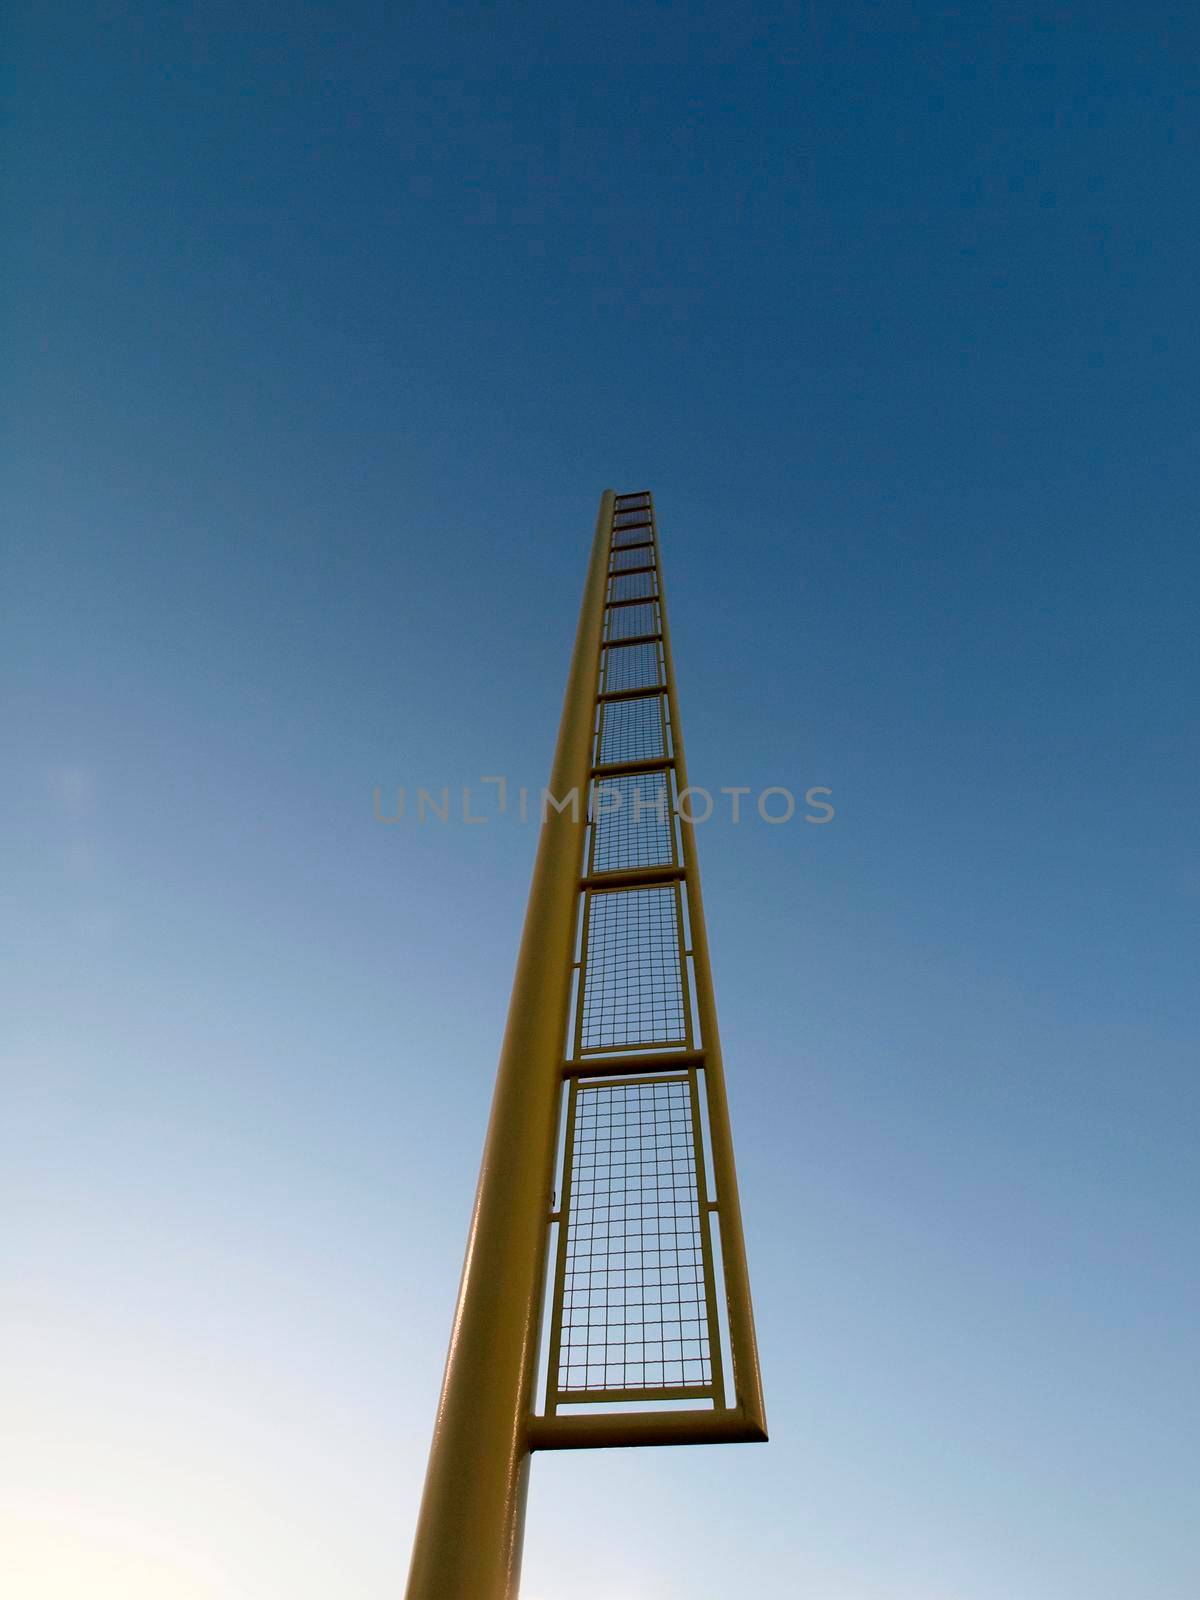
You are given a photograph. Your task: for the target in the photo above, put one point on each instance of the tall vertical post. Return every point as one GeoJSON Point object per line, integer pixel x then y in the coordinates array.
{"type": "Point", "coordinates": [471, 1523]}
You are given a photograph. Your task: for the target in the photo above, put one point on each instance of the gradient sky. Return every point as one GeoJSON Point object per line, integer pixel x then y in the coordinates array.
{"type": "Point", "coordinates": [322, 344]}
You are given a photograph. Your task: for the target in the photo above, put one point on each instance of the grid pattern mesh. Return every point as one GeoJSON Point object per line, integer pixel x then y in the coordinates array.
{"type": "Point", "coordinates": [634, 1309]}
{"type": "Point", "coordinates": [633, 586]}
{"type": "Point", "coordinates": [628, 517]}
{"type": "Point", "coordinates": [632, 981]}
{"type": "Point", "coordinates": [632, 822]}
{"type": "Point", "coordinates": [627, 622]}
{"type": "Point", "coordinates": [631, 730]}
{"type": "Point", "coordinates": [632, 666]}
{"type": "Point", "coordinates": [632, 535]}
{"type": "Point", "coordinates": [623, 501]}
{"type": "Point", "coordinates": [622, 559]}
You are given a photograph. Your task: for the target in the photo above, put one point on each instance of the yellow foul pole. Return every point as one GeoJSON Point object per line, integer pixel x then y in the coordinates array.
{"type": "Point", "coordinates": [471, 1522]}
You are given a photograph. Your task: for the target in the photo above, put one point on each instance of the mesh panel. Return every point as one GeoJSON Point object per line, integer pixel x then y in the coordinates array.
{"type": "Point", "coordinates": [634, 1311]}
{"type": "Point", "coordinates": [626, 501]}
{"type": "Point", "coordinates": [632, 822]}
{"type": "Point", "coordinates": [624, 559]}
{"type": "Point", "coordinates": [628, 622]}
{"type": "Point", "coordinates": [632, 985]}
{"type": "Point", "coordinates": [633, 586]}
{"type": "Point", "coordinates": [631, 518]}
{"type": "Point", "coordinates": [631, 730]}
{"type": "Point", "coordinates": [632, 666]}
{"type": "Point", "coordinates": [622, 536]}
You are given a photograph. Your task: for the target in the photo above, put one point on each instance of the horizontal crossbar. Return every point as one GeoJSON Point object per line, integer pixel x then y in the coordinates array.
{"type": "Point", "coordinates": [600, 1397]}
{"type": "Point", "coordinates": [643, 1427]}
{"type": "Point", "coordinates": [632, 877]}
{"type": "Point", "coordinates": [632, 694]}
{"type": "Point", "coordinates": [637, 638]}
{"type": "Point", "coordinates": [653, 1061]}
{"type": "Point", "coordinates": [616, 769]}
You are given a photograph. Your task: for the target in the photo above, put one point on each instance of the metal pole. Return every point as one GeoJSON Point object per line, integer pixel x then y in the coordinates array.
{"type": "Point", "coordinates": [472, 1518]}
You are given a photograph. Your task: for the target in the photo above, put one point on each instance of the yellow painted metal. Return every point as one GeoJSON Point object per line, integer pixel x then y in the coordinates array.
{"type": "Point", "coordinates": [471, 1523]}
{"type": "Point", "coordinates": [619, 1429]}
{"type": "Point", "coordinates": [739, 1415]}
{"type": "Point", "coordinates": [747, 1378]}
{"type": "Point", "coordinates": [710, 1393]}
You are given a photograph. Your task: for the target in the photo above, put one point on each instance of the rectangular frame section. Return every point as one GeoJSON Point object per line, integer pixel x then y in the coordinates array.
{"type": "Point", "coordinates": [634, 1310]}
{"type": "Point", "coordinates": [632, 621]}
{"type": "Point", "coordinates": [628, 586]}
{"type": "Point", "coordinates": [632, 730]}
{"type": "Point", "coordinates": [632, 666]}
{"type": "Point", "coordinates": [633, 981]}
{"type": "Point", "coordinates": [632, 822]}
{"type": "Point", "coordinates": [625, 560]}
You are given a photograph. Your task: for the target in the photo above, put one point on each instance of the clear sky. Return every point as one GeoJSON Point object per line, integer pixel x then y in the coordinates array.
{"type": "Point", "coordinates": [323, 340]}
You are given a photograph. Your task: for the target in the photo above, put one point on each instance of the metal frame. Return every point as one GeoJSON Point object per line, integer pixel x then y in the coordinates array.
{"type": "Point", "coordinates": [630, 881]}
{"type": "Point", "coordinates": [699, 1058]}
{"type": "Point", "coordinates": [604, 775]}
{"type": "Point", "coordinates": [605, 700]}
{"type": "Point", "coordinates": [712, 1391]}
{"type": "Point", "coordinates": [471, 1522]}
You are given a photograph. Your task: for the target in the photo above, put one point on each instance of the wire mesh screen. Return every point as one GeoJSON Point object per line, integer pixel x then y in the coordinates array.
{"type": "Point", "coordinates": [629, 517]}
{"type": "Point", "coordinates": [627, 622]}
{"type": "Point", "coordinates": [624, 536]}
{"type": "Point", "coordinates": [632, 586]}
{"type": "Point", "coordinates": [624, 559]}
{"type": "Point", "coordinates": [636, 1289]}
{"type": "Point", "coordinates": [632, 977]}
{"type": "Point", "coordinates": [631, 822]}
{"type": "Point", "coordinates": [632, 666]}
{"type": "Point", "coordinates": [631, 730]}
{"type": "Point", "coordinates": [641, 498]}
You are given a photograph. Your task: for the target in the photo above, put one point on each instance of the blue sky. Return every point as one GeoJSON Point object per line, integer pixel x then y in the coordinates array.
{"type": "Point", "coordinates": [323, 341]}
